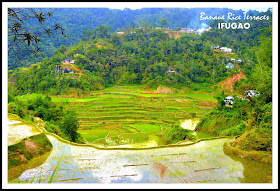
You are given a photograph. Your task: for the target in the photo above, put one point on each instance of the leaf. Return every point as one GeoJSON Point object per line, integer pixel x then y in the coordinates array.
{"type": "Point", "coordinates": [53, 174]}
{"type": "Point", "coordinates": [33, 178]}
{"type": "Point", "coordinates": [49, 14]}
{"type": "Point", "coordinates": [48, 31]}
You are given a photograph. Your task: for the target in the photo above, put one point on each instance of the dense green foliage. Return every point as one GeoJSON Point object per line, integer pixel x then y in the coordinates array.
{"type": "Point", "coordinates": [143, 56]}
{"type": "Point", "coordinates": [249, 119]}
{"type": "Point", "coordinates": [59, 120]}
{"type": "Point", "coordinates": [77, 22]}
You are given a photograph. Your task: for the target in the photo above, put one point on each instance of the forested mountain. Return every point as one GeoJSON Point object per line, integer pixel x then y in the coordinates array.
{"type": "Point", "coordinates": [77, 22]}
{"type": "Point", "coordinates": [143, 56]}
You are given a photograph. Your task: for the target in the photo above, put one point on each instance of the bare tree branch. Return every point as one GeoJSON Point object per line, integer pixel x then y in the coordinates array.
{"type": "Point", "coordinates": [24, 41]}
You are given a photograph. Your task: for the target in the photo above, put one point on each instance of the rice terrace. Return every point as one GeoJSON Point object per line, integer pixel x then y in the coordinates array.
{"type": "Point", "coordinates": [129, 114]}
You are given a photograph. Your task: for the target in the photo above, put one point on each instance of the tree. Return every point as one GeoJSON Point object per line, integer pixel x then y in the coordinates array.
{"type": "Point", "coordinates": [70, 124]}
{"type": "Point", "coordinates": [144, 24]}
{"type": "Point", "coordinates": [86, 34]}
{"type": "Point", "coordinates": [163, 23]}
{"type": "Point", "coordinates": [24, 36]}
{"type": "Point", "coordinates": [101, 32]}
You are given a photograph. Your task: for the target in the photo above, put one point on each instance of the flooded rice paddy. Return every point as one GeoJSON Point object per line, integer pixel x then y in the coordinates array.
{"type": "Point", "coordinates": [18, 130]}
{"type": "Point", "coordinates": [203, 162]}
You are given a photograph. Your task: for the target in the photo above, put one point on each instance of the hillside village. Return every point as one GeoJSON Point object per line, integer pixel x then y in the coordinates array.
{"type": "Point", "coordinates": [167, 30]}
{"type": "Point", "coordinates": [229, 100]}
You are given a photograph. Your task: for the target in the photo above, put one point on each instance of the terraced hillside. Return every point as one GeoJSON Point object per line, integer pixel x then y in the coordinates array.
{"type": "Point", "coordinates": [122, 115]}
{"type": "Point", "coordinates": [130, 114]}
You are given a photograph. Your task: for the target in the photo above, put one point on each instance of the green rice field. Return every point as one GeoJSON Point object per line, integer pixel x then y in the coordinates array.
{"type": "Point", "coordinates": [130, 114]}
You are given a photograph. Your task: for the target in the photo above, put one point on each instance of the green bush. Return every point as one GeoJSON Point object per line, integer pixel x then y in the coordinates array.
{"type": "Point", "coordinates": [236, 130]}
{"type": "Point", "coordinates": [177, 133]}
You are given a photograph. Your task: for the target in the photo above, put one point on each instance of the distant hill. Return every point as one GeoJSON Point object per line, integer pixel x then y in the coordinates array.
{"type": "Point", "coordinates": [77, 20]}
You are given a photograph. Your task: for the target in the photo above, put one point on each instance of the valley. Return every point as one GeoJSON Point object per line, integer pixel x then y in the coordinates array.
{"type": "Point", "coordinates": [138, 96]}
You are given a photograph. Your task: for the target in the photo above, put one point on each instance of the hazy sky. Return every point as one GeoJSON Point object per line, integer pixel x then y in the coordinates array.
{"type": "Point", "coordinates": [259, 6]}
{"type": "Point", "coordinates": [134, 6]}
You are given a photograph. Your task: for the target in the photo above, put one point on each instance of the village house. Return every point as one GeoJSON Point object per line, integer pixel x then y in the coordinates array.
{"type": "Point", "coordinates": [238, 60]}
{"type": "Point", "coordinates": [120, 33]}
{"type": "Point", "coordinates": [185, 30]}
{"type": "Point", "coordinates": [225, 49]}
{"type": "Point", "coordinates": [65, 70]}
{"type": "Point", "coordinates": [68, 60]}
{"type": "Point", "coordinates": [71, 72]}
{"type": "Point", "coordinates": [215, 47]}
{"type": "Point", "coordinates": [170, 71]}
{"type": "Point", "coordinates": [251, 93]}
{"type": "Point", "coordinates": [229, 101]}
{"type": "Point", "coordinates": [77, 53]}
{"type": "Point", "coordinates": [230, 65]}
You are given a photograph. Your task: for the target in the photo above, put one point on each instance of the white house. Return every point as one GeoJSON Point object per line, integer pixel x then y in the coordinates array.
{"type": "Point", "coordinates": [230, 65]}
{"type": "Point", "coordinates": [229, 101]}
{"type": "Point", "coordinates": [251, 93]}
{"type": "Point", "coordinates": [170, 71]}
{"type": "Point", "coordinates": [226, 49]}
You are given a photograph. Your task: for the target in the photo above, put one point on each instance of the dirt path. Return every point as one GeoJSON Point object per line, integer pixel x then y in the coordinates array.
{"type": "Point", "coordinates": [72, 65]}
{"type": "Point", "coordinates": [227, 85]}
{"type": "Point", "coordinates": [176, 35]}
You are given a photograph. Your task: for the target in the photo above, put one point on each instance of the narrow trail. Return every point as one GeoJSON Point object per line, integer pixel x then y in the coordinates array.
{"type": "Point", "coordinates": [72, 65]}
{"type": "Point", "coordinates": [228, 84]}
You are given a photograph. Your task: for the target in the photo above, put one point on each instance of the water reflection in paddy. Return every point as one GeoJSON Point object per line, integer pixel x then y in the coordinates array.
{"type": "Point", "coordinates": [202, 162]}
